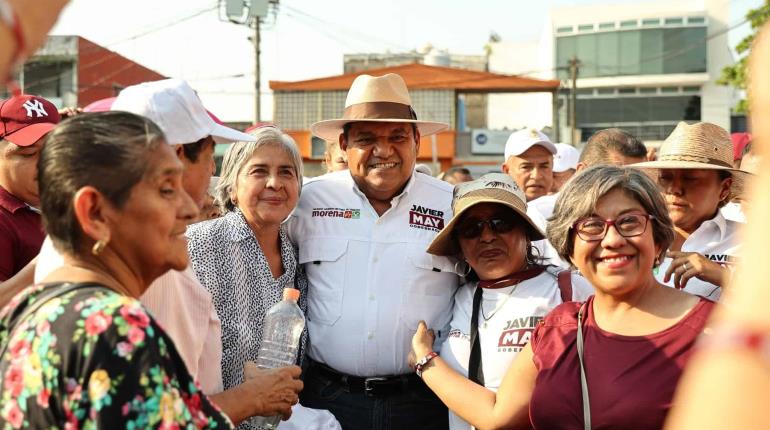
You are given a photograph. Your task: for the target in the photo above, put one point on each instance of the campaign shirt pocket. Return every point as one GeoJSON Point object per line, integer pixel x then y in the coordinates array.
{"type": "Point", "coordinates": [325, 262]}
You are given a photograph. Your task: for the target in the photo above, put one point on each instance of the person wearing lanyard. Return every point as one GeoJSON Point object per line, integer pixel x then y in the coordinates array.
{"type": "Point", "coordinates": [361, 235]}
{"type": "Point", "coordinates": [508, 291]}
{"type": "Point", "coordinates": [695, 174]}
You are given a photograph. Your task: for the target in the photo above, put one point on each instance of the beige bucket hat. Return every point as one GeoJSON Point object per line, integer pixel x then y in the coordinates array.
{"type": "Point", "coordinates": [491, 188]}
{"type": "Point", "coordinates": [702, 145]}
{"type": "Point", "coordinates": [376, 99]}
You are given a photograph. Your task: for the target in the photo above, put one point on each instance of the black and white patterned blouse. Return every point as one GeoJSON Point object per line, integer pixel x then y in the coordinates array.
{"type": "Point", "coordinates": [228, 261]}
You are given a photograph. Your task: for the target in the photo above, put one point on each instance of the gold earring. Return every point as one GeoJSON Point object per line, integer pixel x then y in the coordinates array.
{"type": "Point", "coordinates": [99, 247]}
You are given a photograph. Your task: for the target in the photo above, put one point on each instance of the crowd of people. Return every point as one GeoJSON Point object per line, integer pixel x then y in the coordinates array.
{"type": "Point", "coordinates": [568, 290]}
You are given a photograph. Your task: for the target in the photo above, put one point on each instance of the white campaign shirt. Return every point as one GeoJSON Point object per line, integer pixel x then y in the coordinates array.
{"type": "Point", "coordinates": [509, 318]}
{"type": "Point", "coordinates": [733, 211]}
{"type": "Point", "coordinates": [716, 239]}
{"type": "Point", "coordinates": [370, 280]}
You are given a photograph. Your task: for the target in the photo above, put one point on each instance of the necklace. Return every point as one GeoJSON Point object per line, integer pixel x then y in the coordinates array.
{"type": "Point", "coordinates": [497, 308]}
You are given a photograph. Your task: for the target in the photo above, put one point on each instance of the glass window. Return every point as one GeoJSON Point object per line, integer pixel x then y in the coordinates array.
{"type": "Point", "coordinates": [565, 50]}
{"type": "Point", "coordinates": [629, 45]}
{"type": "Point", "coordinates": [691, 89]}
{"type": "Point", "coordinates": [651, 62]}
{"type": "Point", "coordinates": [674, 21]}
{"type": "Point", "coordinates": [626, 91]}
{"type": "Point", "coordinates": [317, 147]}
{"type": "Point", "coordinates": [696, 20]}
{"type": "Point", "coordinates": [606, 25]}
{"type": "Point", "coordinates": [669, 90]}
{"type": "Point", "coordinates": [608, 54]}
{"type": "Point", "coordinates": [587, 54]}
{"type": "Point", "coordinates": [585, 27]}
{"type": "Point", "coordinates": [629, 24]}
{"type": "Point", "coordinates": [648, 90]}
{"type": "Point", "coordinates": [567, 29]}
{"type": "Point", "coordinates": [605, 91]}
{"type": "Point", "coordinates": [585, 91]}
{"type": "Point", "coordinates": [623, 110]}
{"type": "Point", "coordinates": [650, 22]}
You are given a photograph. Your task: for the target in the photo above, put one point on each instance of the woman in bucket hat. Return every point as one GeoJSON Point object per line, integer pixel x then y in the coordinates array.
{"type": "Point", "coordinates": [508, 292]}
{"type": "Point", "coordinates": [695, 174]}
{"type": "Point", "coordinates": [612, 362]}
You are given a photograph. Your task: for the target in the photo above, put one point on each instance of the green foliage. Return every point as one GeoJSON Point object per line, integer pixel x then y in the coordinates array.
{"type": "Point", "coordinates": [735, 75]}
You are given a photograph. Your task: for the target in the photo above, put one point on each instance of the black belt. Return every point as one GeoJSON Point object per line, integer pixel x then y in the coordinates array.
{"type": "Point", "coordinates": [376, 386]}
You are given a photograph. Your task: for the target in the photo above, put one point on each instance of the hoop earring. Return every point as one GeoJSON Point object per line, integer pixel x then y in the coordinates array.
{"type": "Point", "coordinates": [99, 247]}
{"type": "Point", "coordinates": [465, 272]}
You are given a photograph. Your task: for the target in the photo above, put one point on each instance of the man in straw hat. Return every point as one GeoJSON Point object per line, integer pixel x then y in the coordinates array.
{"type": "Point", "coordinates": [696, 176]}
{"type": "Point", "coordinates": [362, 235]}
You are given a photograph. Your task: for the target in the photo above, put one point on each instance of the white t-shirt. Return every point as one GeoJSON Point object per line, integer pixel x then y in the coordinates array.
{"type": "Point", "coordinates": [716, 239]}
{"type": "Point", "coordinates": [506, 325]}
{"type": "Point", "coordinates": [539, 210]}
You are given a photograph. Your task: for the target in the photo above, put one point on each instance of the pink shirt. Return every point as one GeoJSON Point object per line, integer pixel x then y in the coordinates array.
{"type": "Point", "coordinates": [631, 379]}
{"type": "Point", "coordinates": [191, 322]}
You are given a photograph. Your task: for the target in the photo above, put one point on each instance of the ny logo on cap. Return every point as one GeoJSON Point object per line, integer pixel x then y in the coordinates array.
{"type": "Point", "coordinates": [35, 106]}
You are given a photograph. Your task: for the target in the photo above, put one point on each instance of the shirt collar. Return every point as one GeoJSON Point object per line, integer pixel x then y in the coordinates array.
{"type": "Point", "coordinates": [720, 222]}
{"type": "Point", "coordinates": [239, 228]}
{"type": "Point", "coordinates": [10, 202]}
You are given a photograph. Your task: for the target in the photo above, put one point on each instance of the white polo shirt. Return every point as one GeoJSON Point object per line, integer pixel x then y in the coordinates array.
{"type": "Point", "coordinates": [506, 324]}
{"type": "Point", "coordinates": [370, 280]}
{"type": "Point", "coordinates": [716, 239]}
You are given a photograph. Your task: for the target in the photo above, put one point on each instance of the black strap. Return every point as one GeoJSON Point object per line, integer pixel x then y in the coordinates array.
{"type": "Point", "coordinates": [564, 280]}
{"type": "Point", "coordinates": [475, 370]}
{"type": "Point", "coordinates": [45, 296]}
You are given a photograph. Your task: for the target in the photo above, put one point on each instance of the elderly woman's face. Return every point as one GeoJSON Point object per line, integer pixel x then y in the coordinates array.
{"type": "Point", "coordinates": [267, 190]}
{"type": "Point", "coordinates": [692, 195]}
{"type": "Point", "coordinates": [493, 240]}
{"type": "Point", "coordinates": [149, 231]}
{"type": "Point", "coordinates": [616, 264]}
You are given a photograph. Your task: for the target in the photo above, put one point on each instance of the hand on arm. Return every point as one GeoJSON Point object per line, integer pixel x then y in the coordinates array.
{"type": "Point", "coordinates": [688, 265]}
{"type": "Point", "coordinates": [265, 392]}
{"type": "Point", "coordinates": [484, 409]}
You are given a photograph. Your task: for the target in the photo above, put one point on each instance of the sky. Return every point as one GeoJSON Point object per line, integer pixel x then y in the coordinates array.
{"type": "Point", "coordinates": [302, 39]}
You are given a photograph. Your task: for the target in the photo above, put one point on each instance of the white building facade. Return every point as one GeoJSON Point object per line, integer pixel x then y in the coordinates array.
{"type": "Point", "coordinates": [643, 67]}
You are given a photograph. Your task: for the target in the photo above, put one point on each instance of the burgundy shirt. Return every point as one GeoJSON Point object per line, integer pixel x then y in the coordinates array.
{"type": "Point", "coordinates": [631, 379]}
{"type": "Point", "coordinates": [21, 234]}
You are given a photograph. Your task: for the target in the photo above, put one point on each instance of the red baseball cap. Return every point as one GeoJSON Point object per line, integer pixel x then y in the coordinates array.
{"type": "Point", "coordinates": [25, 119]}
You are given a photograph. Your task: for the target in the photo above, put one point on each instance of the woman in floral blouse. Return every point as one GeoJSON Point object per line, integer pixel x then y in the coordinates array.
{"type": "Point", "coordinates": [79, 350]}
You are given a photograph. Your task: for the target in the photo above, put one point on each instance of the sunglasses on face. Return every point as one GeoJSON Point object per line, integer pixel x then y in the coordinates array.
{"type": "Point", "coordinates": [627, 225]}
{"type": "Point", "coordinates": [472, 229]}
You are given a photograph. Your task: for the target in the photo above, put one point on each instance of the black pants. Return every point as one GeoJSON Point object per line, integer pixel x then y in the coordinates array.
{"type": "Point", "coordinates": [416, 408]}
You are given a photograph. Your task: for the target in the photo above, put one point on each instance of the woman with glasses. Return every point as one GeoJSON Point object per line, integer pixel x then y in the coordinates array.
{"type": "Point", "coordinates": [508, 292]}
{"type": "Point", "coordinates": [611, 362]}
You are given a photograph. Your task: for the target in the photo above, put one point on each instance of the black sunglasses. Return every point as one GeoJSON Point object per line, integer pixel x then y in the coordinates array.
{"type": "Point", "coordinates": [472, 229]}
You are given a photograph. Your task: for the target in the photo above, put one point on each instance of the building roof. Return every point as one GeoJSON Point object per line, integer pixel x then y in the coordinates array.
{"type": "Point", "coordinates": [425, 77]}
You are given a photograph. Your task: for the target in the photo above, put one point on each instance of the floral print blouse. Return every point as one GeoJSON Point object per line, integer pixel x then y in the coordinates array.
{"type": "Point", "coordinates": [92, 358]}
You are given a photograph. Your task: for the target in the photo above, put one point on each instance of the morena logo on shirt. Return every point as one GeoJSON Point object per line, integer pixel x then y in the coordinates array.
{"type": "Point", "coordinates": [517, 334]}
{"type": "Point", "coordinates": [336, 213]}
{"type": "Point", "coordinates": [426, 218]}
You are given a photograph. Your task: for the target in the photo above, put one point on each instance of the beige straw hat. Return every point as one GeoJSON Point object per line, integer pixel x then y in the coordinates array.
{"type": "Point", "coordinates": [699, 146]}
{"type": "Point", "coordinates": [376, 99]}
{"type": "Point", "coordinates": [491, 188]}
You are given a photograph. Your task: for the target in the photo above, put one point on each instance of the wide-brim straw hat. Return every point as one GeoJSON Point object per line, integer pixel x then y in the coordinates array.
{"type": "Point", "coordinates": [496, 188]}
{"type": "Point", "coordinates": [376, 99]}
{"type": "Point", "coordinates": [698, 146]}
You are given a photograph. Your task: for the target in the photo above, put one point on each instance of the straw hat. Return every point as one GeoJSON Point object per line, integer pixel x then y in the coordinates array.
{"type": "Point", "coordinates": [699, 146]}
{"type": "Point", "coordinates": [376, 99]}
{"type": "Point", "coordinates": [491, 188]}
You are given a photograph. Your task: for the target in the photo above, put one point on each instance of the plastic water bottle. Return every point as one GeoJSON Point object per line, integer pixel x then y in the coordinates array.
{"type": "Point", "coordinates": [281, 332]}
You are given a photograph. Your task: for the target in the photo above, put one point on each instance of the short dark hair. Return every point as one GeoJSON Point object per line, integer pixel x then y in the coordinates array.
{"type": "Point", "coordinates": [193, 150]}
{"type": "Point", "coordinates": [346, 128]}
{"type": "Point", "coordinates": [106, 150]}
{"type": "Point", "coordinates": [457, 169]}
{"type": "Point", "coordinates": [604, 142]}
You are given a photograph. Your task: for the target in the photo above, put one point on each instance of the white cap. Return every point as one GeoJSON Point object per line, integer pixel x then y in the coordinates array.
{"type": "Point", "coordinates": [176, 109]}
{"type": "Point", "coordinates": [520, 141]}
{"type": "Point", "coordinates": [566, 158]}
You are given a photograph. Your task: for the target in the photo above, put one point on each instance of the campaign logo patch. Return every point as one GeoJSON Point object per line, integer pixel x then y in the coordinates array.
{"type": "Point", "coordinates": [425, 218]}
{"type": "Point", "coordinates": [336, 213]}
{"type": "Point", "coordinates": [517, 334]}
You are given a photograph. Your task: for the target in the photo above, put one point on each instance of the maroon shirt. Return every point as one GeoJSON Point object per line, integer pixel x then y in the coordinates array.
{"type": "Point", "coordinates": [21, 234]}
{"type": "Point", "coordinates": [631, 379]}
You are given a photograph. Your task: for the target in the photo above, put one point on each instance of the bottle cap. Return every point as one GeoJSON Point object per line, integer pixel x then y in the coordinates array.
{"type": "Point", "coordinates": [291, 294]}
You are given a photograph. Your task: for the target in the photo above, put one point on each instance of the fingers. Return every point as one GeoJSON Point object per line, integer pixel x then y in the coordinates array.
{"type": "Point", "coordinates": [293, 371]}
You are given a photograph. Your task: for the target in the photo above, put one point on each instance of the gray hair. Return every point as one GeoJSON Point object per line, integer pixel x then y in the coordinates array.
{"type": "Point", "coordinates": [239, 153]}
{"type": "Point", "coordinates": [579, 197]}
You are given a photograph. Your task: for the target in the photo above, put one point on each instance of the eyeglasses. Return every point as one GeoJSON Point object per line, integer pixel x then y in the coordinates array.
{"type": "Point", "coordinates": [627, 225]}
{"type": "Point", "coordinates": [473, 229]}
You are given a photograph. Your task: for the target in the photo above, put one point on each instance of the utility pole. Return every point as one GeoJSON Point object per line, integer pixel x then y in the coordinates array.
{"type": "Point", "coordinates": [257, 116]}
{"type": "Point", "coordinates": [574, 68]}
